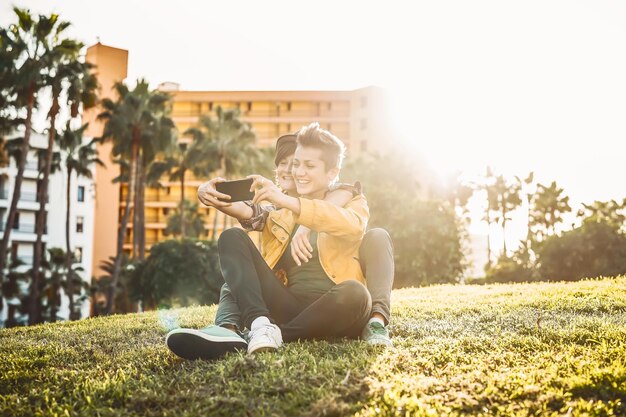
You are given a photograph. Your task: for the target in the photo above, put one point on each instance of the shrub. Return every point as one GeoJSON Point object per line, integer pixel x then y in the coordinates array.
{"type": "Point", "coordinates": [178, 272]}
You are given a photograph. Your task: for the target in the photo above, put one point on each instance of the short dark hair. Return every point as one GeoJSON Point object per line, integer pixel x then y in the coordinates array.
{"type": "Point", "coordinates": [333, 149]}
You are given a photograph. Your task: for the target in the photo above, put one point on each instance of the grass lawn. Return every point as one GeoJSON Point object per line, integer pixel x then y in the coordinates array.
{"type": "Point", "coordinates": [522, 349]}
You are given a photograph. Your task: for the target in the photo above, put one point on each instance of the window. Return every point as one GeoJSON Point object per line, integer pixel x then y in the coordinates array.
{"type": "Point", "coordinates": [166, 211]}
{"type": "Point", "coordinates": [249, 106]}
{"type": "Point", "coordinates": [78, 255]}
{"type": "Point", "coordinates": [363, 124]}
{"type": "Point", "coordinates": [289, 106]}
{"type": "Point", "coordinates": [210, 106]}
{"type": "Point", "coordinates": [363, 102]}
{"type": "Point", "coordinates": [364, 146]}
{"type": "Point", "coordinates": [79, 224]}
{"type": "Point", "coordinates": [81, 193]}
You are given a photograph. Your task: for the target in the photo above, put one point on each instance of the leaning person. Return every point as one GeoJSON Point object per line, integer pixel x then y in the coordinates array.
{"type": "Point", "coordinates": [193, 343]}
{"type": "Point", "coordinates": [375, 254]}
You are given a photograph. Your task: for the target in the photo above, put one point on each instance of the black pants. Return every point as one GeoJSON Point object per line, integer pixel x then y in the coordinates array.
{"type": "Point", "coordinates": [341, 312]}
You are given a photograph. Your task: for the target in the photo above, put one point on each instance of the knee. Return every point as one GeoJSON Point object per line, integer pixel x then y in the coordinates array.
{"type": "Point", "coordinates": [378, 236]}
{"type": "Point", "coordinates": [354, 295]}
{"type": "Point", "coordinates": [229, 236]}
{"type": "Point", "coordinates": [376, 240]}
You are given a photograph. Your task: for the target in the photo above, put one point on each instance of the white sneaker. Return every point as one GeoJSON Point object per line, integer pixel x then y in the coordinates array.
{"type": "Point", "coordinates": [264, 336]}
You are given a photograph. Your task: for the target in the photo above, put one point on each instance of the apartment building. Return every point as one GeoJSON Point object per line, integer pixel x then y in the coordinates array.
{"type": "Point", "coordinates": [23, 237]}
{"type": "Point", "coordinates": [357, 117]}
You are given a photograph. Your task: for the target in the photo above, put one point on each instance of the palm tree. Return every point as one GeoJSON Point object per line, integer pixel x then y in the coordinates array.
{"type": "Point", "coordinates": [230, 143]}
{"type": "Point", "coordinates": [137, 124]}
{"type": "Point", "coordinates": [549, 205]}
{"type": "Point", "coordinates": [159, 140]}
{"type": "Point", "coordinates": [488, 185]}
{"type": "Point", "coordinates": [607, 212]}
{"type": "Point", "coordinates": [508, 199]}
{"type": "Point", "coordinates": [75, 77]}
{"type": "Point", "coordinates": [529, 189]}
{"type": "Point", "coordinates": [11, 289]}
{"type": "Point", "coordinates": [197, 157]}
{"type": "Point", "coordinates": [79, 158]}
{"type": "Point", "coordinates": [28, 49]}
{"type": "Point", "coordinates": [194, 222]}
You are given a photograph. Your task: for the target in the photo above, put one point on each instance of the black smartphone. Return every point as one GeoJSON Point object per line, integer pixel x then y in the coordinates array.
{"type": "Point", "coordinates": [238, 190]}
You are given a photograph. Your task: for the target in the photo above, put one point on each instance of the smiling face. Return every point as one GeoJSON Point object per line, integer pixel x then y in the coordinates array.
{"type": "Point", "coordinates": [284, 175]}
{"type": "Point", "coordinates": [310, 174]}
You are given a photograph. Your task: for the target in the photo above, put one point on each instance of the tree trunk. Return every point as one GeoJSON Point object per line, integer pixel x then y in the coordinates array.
{"type": "Point", "coordinates": [504, 236]}
{"type": "Point", "coordinates": [488, 218]}
{"type": "Point", "coordinates": [504, 227]}
{"type": "Point", "coordinates": [11, 322]}
{"type": "Point", "coordinates": [182, 205]}
{"type": "Point", "coordinates": [18, 182]}
{"type": "Point", "coordinates": [528, 232]}
{"type": "Point", "coordinates": [121, 234]}
{"type": "Point", "coordinates": [54, 305]}
{"type": "Point", "coordinates": [214, 232]}
{"type": "Point", "coordinates": [68, 247]}
{"type": "Point", "coordinates": [35, 307]}
{"type": "Point", "coordinates": [135, 252]}
{"type": "Point", "coordinates": [141, 212]}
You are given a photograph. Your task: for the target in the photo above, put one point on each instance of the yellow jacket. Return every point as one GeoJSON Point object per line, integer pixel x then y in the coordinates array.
{"type": "Point", "coordinates": [340, 231]}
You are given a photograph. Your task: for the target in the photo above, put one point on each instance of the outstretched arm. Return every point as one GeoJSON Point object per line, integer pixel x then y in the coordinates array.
{"type": "Point", "coordinates": [209, 196]}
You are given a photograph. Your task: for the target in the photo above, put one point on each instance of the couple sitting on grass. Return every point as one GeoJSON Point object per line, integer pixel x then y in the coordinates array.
{"type": "Point", "coordinates": [309, 279]}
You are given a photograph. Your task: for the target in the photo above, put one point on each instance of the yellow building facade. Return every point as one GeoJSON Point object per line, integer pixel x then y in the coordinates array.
{"type": "Point", "coordinates": [356, 117]}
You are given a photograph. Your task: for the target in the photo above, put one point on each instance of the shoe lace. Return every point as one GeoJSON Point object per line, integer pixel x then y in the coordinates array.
{"type": "Point", "coordinates": [261, 331]}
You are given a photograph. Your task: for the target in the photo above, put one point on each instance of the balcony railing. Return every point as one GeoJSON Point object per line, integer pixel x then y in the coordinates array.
{"type": "Point", "coordinates": [25, 227]}
{"type": "Point", "coordinates": [26, 260]}
{"type": "Point", "coordinates": [155, 219]}
{"type": "Point", "coordinates": [28, 196]}
{"type": "Point", "coordinates": [163, 197]}
{"type": "Point", "coordinates": [32, 165]}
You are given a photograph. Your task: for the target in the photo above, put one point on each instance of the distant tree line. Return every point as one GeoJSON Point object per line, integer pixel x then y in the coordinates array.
{"type": "Point", "coordinates": [37, 59]}
{"type": "Point", "coordinates": [550, 252]}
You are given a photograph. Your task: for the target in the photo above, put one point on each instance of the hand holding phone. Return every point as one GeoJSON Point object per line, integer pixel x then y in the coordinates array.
{"type": "Point", "coordinates": [238, 190]}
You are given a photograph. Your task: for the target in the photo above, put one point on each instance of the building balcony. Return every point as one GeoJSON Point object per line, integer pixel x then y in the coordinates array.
{"type": "Point", "coordinates": [28, 196]}
{"type": "Point", "coordinates": [24, 228]}
{"type": "Point", "coordinates": [164, 198]}
{"type": "Point", "coordinates": [32, 166]}
{"type": "Point", "coordinates": [26, 260]}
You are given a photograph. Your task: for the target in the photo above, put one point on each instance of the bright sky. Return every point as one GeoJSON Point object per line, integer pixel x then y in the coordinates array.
{"type": "Point", "coordinates": [520, 86]}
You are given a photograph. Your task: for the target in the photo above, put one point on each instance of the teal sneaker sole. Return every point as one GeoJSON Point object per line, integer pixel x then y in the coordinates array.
{"type": "Point", "coordinates": [193, 344]}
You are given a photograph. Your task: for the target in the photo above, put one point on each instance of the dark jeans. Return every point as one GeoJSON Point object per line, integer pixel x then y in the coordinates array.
{"type": "Point", "coordinates": [377, 263]}
{"type": "Point", "coordinates": [341, 312]}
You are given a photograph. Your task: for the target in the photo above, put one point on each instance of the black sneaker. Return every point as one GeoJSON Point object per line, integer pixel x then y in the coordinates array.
{"type": "Point", "coordinates": [211, 342]}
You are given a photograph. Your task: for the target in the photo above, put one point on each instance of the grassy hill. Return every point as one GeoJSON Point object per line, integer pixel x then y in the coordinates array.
{"type": "Point", "coordinates": [523, 349]}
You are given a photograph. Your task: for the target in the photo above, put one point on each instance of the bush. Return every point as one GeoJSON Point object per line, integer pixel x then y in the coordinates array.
{"type": "Point", "coordinates": [592, 250]}
{"type": "Point", "coordinates": [427, 235]}
{"type": "Point", "coordinates": [178, 272]}
{"type": "Point", "coordinates": [509, 270]}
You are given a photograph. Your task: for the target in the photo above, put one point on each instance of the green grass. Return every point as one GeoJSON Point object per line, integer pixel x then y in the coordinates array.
{"type": "Point", "coordinates": [522, 349]}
